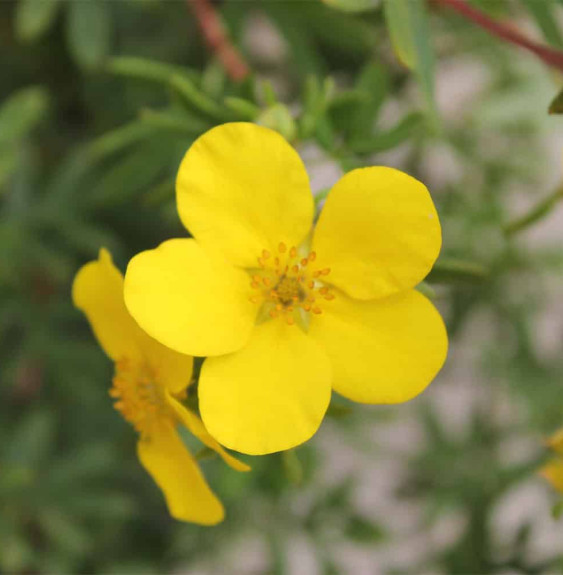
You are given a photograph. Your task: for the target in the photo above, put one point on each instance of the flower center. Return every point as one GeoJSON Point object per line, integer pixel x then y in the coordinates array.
{"type": "Point", "coordinates": [138, 397]}
{"type": "Point", "coordinates": [289, 286]}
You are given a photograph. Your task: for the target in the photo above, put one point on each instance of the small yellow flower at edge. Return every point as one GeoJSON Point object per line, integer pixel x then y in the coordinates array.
{"type": "Point", "coordinates": [285, 312]}
{"type": "Point", "coordinates": [553, 470]}
{"type": "Point", "coordinates": [149, 379]}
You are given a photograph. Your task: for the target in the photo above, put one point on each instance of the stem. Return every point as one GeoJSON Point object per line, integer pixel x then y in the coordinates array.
{"type": "Point", "coordinates": [536, 213]}
{"type": "Point", "coordinates": [548, 55]}
{"type": "Point", "coordinates": [217, 39]}
{"type": "Point", "coordinates": [448, 269]}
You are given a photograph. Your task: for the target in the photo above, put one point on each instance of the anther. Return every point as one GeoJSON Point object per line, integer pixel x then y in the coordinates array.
{"type": "Point", "coordinates": [317, 310]}
{"type": "Point", "coordinates": [329, 296]}
{"type": "Point", "coordinates": [290, 320]}
{"type": "Point", "coordinates": [282, 248]}
{"type": "Point", "coordinates": [265, 254]}
{"type": "Point", "coordinates": [312, 256]}
{"type": "Point", "coordinates": [267, 282]}
{"type": "Point", "coordinates": [304, 262]}
{"type": "Point", "coordinates": [325, 271]}
{"type": "Point", "coordinates": [293, 252]}
{"type": "Point", "coordinates": [295, 268]}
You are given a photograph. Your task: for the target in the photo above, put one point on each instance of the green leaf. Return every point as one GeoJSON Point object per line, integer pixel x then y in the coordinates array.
{"type": "Point", "coordinates": [543, 13]}
{"type": "Point", "coordinates": [145, 69]}
{"type": "Point", "coordinates": [556, 106]}
{"type": "Point", "coordinates": [373, 81]}
{"type": "Point", "coordinates": [34, 18]}
{"type": "Point", "coordinates": [21, 112]}
{"type": "Point", "coordinates": [353, 5]}
{"type": "Point", "coordinates": [398, 18]}
{"type": "Point", "coordinates": [89, 31]}
{"type": "Point", "coordinates": [407, 21]}
{"type": "Point", "coordinates": [361, 530]}
{"type": "Point", "coordinates": [278, 118]}
{"type": "Point", "coordinates": [242, 108]}
{"type": "Point", "coordinates": [32, 441]}
{"type": "Point", "coordinates": [408, 127]}
{"type": "Point", "coordinates": [196, 99]}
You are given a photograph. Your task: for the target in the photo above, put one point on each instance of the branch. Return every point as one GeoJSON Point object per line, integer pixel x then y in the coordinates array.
{"type": "Point", "coordinates": [548, 55]}
{"type": "Point", "coordinates": [217, 39]}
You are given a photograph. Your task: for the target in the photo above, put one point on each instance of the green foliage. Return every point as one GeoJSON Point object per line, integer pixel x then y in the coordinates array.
{"type": "Point", "coordinates": [99, 103]}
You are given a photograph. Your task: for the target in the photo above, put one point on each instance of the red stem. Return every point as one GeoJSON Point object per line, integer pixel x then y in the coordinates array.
{"type": "Point", "coordinates": [218, 40]}
{"type": "Point", "coordinates": [550, 56]}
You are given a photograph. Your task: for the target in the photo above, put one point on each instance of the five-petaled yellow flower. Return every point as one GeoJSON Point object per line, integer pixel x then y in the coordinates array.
{"type": "Point", "coordinates": [553, 470]}
{"type": "Point", "coordinates": [283, 312]}
{"type": "Point", "coordinates": [149, 379]}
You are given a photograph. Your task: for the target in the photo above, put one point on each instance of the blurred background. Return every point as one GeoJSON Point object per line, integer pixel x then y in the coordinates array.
{"type": "Point", "coordinates": [98, 102]}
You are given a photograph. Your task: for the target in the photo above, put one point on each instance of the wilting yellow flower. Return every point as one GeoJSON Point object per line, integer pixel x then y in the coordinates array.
{"type": "Point", "coordinates": [285, 314]}
{"type": "Point", "coordinates": [149, 379]}
{"type": "Point", "coordinates": [553, 470]}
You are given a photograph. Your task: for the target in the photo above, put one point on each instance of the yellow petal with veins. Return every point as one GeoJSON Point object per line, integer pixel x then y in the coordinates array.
{"type": "Point", "coordinates": [189, 498]}
{"type": "Point", "coordinates": [196, 427]}
{"type": "Point", "coordinates": [378, 233]}
{"type": "Point", "coordinates": [98, 291]}
{"type": "Point", "coordinates": [188, 300]}
{"type": "Point", "coordinates": [381, 351]}
{"type": "Point", "coordinates": [241, 188]}
{"type": "Point", "coordinates": [269, 396]}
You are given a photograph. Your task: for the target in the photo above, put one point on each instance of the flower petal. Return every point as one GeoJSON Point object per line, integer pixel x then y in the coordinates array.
{"type": "Point", "coordinates": [189, 301]}
{"type": "Point", "coordinates": [379, 233]}
{"type": "Point", "coordinates": [271, 395]}
{"type": "Point", "coordinates": [97, 290]}
{"type": "Point", "coordinates": [382, 351]}
{"type": "Point", "coordinates": [242, 188]}
{"type": "Point", "coordinates": [175, 471]}
{"type": "Point", "coordinates": [553, 472]}
{"type": "Point", "coordinates": [556, 441]}
{"type": "Point", "coordinates": [196, 427]}
{"type": "Point", "coordinates": [172, 370]}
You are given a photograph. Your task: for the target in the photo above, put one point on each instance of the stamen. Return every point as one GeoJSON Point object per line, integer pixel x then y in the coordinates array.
{"type": "Point", "coordinates": [286, 284]}
{"type": "Point", "coordinates": [140, 398]}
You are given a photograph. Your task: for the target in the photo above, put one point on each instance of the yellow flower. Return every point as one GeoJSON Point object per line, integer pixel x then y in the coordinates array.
{"type": "Point", "coordinates": [149, 379]}
{"type": "Point", "coordinates": [282, 314]}
{"type": "Point", "coordinates": [553, 470]}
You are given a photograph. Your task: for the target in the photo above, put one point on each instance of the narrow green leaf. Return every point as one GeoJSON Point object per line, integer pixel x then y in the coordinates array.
{"type": "Point", "coordinates": [144, 69]}
{"type": "Point", "coordinates": [373, 80]}
{"type": "Point", "coordinates": [407, 21]}
{"type": "Point", "coordinates": [21, 112]}
{"type": "Point", "coordinates": [197, 99]}
{"type": "Point", "coordinates": [539, 211]}
{"type": "Point", "coordinates": [403, 131]}
{"type": "Point", "coordinates": [556, 106]}
{"type": "Point", "coordinates": [353, 6]}
{"type": "Point", "coordinates": [243, 108]}
{"type": "Point", "coordinates": [398, 18]}
{"type": "Point", "coordinates": [89, 31]}
{"type": "Point", "coordinates": [117, 140]}
{"type": "Point", "coordinates": [174, 121]}
{"type": "Point", "coordinates": [34, 18]}
{"type": "Point", "coordinates": [446, 270]}
{"type": "Point", "coordinates": [544, 14]}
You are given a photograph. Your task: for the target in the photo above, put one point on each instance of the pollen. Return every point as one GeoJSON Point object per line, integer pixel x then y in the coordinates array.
{"type": "Point", "coordinates": [289, 286]}
{"type": "Point", "coordinates": [138, 397]}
